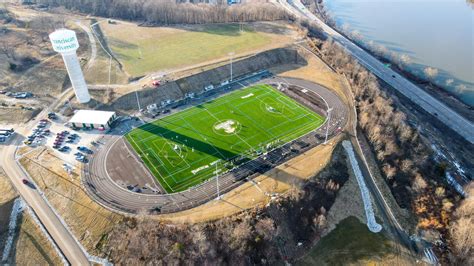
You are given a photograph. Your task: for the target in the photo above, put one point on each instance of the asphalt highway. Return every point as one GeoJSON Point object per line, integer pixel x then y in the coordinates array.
{"type": "Point", "coordinates": [33, 196]}
{"type": "Point", "coordinates": [108, 193]}
{"type": "Point", "coordinates": [443, 113]}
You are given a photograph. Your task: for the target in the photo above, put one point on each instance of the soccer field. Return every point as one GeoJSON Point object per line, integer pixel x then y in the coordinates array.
{"type": "Point", "coordinates": [187, 148]}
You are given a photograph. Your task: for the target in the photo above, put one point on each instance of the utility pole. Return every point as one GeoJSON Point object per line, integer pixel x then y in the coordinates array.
{"type": "Point", "coordinates": [231, 59]}
{"type": "Point", "coordinates": [327, 125]}
{"type": "Point", "coordinates": [110, 67]}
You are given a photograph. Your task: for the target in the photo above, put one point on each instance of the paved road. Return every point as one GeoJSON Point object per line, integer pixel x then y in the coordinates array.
{"type": "Point", "coordinates": [63, 238]}
{"type": "Point", "coordinates": [33, 197]}
{"type": "Point", "coordinates": [104, 190]}
{"type": "Point", "coordinates": [446, 115]}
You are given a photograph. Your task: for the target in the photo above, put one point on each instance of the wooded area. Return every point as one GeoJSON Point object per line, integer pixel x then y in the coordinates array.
{"type": "Point", "coordinates": [168, 12]}
{"type": "Point", "coordinates": [416, 180]}
{"type": "Point", "coordinates": [281, 231]}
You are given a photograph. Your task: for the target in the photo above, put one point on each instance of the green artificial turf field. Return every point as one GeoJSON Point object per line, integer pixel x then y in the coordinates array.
{"type": "Point", "coordinates": [187, 148]}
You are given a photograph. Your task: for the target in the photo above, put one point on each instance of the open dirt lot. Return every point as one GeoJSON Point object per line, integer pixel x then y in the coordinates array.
{"type": "Point", "coordinates": [151, 49]}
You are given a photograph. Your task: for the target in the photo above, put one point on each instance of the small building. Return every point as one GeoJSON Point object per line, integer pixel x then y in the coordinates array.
{"type": "Point", "coordinates": [92, 119]}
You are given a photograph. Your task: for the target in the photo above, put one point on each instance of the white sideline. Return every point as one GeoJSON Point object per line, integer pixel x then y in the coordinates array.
{"type": "Point", "coordinates": [369, 211]}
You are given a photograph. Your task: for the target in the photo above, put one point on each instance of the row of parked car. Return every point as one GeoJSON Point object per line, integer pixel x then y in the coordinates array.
{"type": "Point", "coordinates": [39, 133]}
{"type": "Point", "coordinates": [66, 137]}
{"type": "Point", "coordinates": [80, 156]}
{"type": "Point", "coordinates": [5, 134]}
{"type": "Point", "coordinates": [62, 137]}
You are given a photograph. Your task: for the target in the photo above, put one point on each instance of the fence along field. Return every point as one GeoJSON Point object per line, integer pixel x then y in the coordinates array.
{"type": "Point", "coordinates": [187, 148]}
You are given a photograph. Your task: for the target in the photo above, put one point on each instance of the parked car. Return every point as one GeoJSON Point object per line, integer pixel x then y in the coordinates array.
{"type": "Point", "coordinates": [82, 159]}
{"type": "Point", "coordinates": [64, 149]}
{"type": "Point", "coordinates": [52, 116]}
{"type": "Point", "coordinates": [84, 149]}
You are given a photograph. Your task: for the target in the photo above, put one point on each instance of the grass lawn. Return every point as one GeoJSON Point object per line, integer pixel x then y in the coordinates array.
{"type": "Point", "coordinates": [187, 148]}
{"type": "Point", "coordinates": [349, 243]}
{"type": "Point", "coordinates": [147, 49]}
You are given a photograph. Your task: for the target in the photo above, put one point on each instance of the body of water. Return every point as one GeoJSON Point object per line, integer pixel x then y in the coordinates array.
{"type": "Point", "coordinates": [429, 33]}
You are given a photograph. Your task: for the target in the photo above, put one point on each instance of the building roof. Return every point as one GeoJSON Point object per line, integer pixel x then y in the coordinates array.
{"type": "Point", "coordinates": [91, 117]}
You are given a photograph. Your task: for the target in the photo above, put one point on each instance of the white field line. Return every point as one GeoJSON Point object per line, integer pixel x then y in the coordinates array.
{"type": "Point", "coordinates": [369, 211]}
{"type": "Point", "coordinates": [204, 138]}
{"type": "Point", "coordinates": [217, 120]}
{"type": "Point", "coordinates": [255, 122]}
{"type": "Point", "coordinates": [164, 166]}
{"type": "Point", "coordinates": [144, 154]}
{"type": "Point", "coordinates": [17, 208]}
{"type": "Point", "coordinates": [301, 129]}
{"type": "Point", "coordinates": [178, 155]}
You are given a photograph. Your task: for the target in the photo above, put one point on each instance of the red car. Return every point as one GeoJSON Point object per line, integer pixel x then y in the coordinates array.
{"type": "Point", "coordinates": [25, 181]}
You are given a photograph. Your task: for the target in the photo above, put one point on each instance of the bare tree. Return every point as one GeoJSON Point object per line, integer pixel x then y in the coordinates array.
{"type": "Point", "coordinates": [463, 228]}
{"type": "Point", "coordinates": [431, 73]}
{"type": "Point", "coordinates": [266, 228]}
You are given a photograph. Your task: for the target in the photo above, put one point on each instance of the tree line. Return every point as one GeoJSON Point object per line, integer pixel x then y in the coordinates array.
{"type": "Point", "coordinates": [416, 180]}
{"type": "Point", "coordinates": [281, 231]}
{"type": "Point", "coordinates": [166, 12]}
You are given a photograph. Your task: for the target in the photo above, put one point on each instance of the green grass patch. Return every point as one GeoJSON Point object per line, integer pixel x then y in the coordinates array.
{"type": "Point", "coordinates": [187, 148]}
{"type": "Point", "coordinates": [142, 50]}
{"type": "Point", "coordinates": [349, 242]}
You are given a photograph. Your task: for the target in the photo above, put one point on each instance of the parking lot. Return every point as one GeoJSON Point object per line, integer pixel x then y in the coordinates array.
{"type": "Point", "coordinates": [71, 146]}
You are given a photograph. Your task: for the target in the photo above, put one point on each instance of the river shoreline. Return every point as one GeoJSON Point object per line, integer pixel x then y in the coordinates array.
{"type": "Point", "coordinates": [440, 93]}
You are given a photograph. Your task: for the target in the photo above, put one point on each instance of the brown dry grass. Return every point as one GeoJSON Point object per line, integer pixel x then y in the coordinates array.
{"type": "Point", "coordinates": [318, 72]}
{"type": "Point", "coordinates": [7, 193]}
{"type": "Point", "coordinates": [32, 247]}
{"type": "Point", "coordinates": [98, 73]}
{"type": "Point", "coordinates": [145, 50]}
{"type": "Point", "coordinates": [348, 203]}
{"type": "Point", "coordinates": [88, 220]}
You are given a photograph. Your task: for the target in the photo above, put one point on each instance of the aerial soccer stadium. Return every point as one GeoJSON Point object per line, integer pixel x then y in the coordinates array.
{"type": "Point", "coordinates": [189, 147]}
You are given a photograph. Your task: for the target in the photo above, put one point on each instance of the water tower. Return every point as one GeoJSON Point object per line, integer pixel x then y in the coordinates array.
{"type": "Point", "coordinates": [65, 42]}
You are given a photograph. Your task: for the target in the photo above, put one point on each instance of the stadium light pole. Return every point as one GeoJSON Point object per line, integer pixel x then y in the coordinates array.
{"type": "Point", "coordinates": [327, 125]}
{"type": "Point", "coordinates": [217, 180]}
{"type": "Point", "coordinates": [231, 54]}
{"type": "Point", "coordinates": [138, 101]}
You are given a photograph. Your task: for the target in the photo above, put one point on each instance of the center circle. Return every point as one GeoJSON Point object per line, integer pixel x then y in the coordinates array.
{"type": "Point", "coordinates": [226, 127]}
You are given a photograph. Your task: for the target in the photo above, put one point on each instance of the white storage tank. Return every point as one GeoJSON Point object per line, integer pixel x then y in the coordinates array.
{"type": "Point", "coordinates": [65, 42]}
